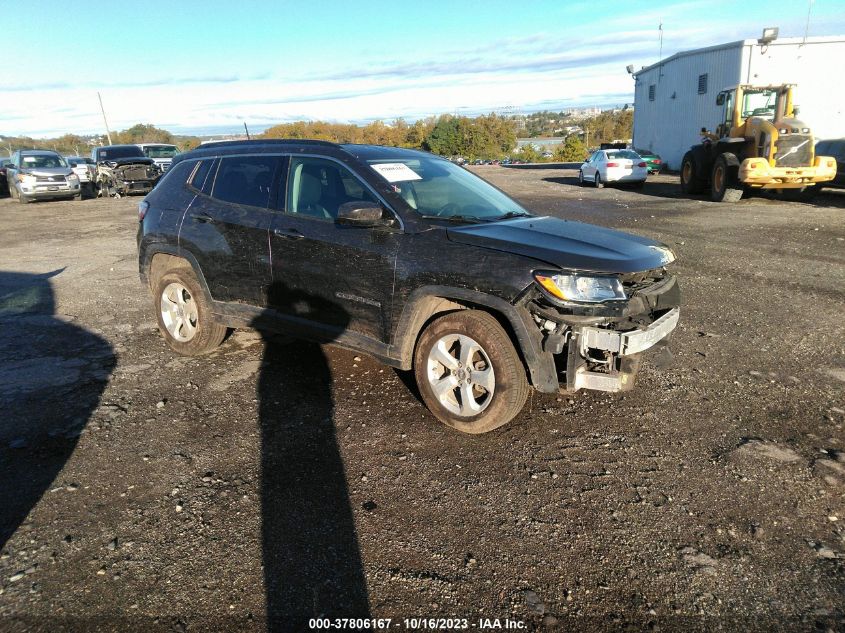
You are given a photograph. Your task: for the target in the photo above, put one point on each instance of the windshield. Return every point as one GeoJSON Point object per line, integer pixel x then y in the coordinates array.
{"type": "Point", "coordinates": [437, 188]}
{"type": "Point", "coordinates": [42, 162]}
{"type": "Point", "coordinates": [161, 151]}
{"type": "Point", "coordinates": [760, 104]}
{"type": "Point", "coordinates": [624, 153]}
{"type": "Point", "coordinates": [129, 151]}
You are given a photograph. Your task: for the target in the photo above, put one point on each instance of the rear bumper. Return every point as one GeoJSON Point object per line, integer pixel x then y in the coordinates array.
{"type": "Point", "coordinates": [625, 175]}
{"type": "Point", "coordinates": [757, 173]}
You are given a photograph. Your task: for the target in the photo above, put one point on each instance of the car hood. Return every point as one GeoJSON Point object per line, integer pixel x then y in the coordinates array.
{"type": "Point", "coordinates": [568, 245]}
{"type": "Point", "coordinates": [132, 160]}
{"type": "Point", "coordinates": [47, 171]}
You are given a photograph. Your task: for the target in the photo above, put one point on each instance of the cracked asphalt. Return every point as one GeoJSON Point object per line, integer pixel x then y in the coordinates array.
{"type": "Point", "coordinates": [140, 490]}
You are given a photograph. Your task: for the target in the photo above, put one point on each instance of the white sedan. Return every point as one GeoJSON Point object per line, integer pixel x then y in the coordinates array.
{"type": "Point", "coordinates": [614, 165]}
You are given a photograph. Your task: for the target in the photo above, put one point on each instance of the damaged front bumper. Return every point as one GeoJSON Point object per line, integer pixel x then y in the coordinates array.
{"type": "Point", "coordinates": [601, 346]}
{"type": "Point", "coordinates": [618, 352]}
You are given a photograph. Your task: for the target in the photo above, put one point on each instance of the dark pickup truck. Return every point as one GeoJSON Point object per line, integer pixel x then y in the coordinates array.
{"type": "Point", "coordinates": [123, 169]}
{"type": "Point", "coordinates": [409, 258]}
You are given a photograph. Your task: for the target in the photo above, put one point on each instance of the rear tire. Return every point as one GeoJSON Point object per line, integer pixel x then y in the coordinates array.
{"type": "Point", "coordinates": [724, 185]}
{"type": "Point", "coordinates": [481, 379]}
{"type": "Point", "coordinates": [691, 177]}
{"type": "Point", "coordinates": [599, 184]}
{"type": "Point", "coordinates": [183, 314]}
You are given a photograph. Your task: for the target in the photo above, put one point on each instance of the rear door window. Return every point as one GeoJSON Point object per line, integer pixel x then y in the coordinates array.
{"type": "Point", "coordinates": [245, 180]}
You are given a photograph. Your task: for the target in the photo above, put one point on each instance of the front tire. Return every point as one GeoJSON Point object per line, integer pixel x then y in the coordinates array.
{"type": "Point", "coordinates": [581, 177]}
{"type": "Point", "coordinates": [468, 372]}
{"type": "Point", "coordinates": [183, 314]}
{"type": "Point", "coordinates": [724, 186]}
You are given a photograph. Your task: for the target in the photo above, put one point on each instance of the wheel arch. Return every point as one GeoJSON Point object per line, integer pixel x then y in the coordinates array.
{"type": "Point", "coordinates": [427, 303]}
{"type": "Point", "coordinates": [166, 257]}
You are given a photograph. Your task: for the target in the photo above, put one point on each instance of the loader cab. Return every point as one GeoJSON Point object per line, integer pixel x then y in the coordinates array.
{"type": "Point", "coordinates": [743, 102]}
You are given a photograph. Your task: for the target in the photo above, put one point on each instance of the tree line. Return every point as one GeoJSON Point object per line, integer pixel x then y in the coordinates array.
{"type": "Point", "coordinates": [486, 137]}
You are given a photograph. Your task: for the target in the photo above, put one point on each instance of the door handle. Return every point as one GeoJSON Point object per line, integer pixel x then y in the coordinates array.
{"type": "Point", "coordinates": [202, 217]}
{"type": "Point", "coordinates": [288, 234]}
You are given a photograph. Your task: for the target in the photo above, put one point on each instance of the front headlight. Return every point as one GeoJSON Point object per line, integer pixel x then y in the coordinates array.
{"type": "Point", "coordinates": [72, 177]}
{"type": "Point", "coordinates": [581, 288]}
{"type": "Point", "coordinates": [27, 179]}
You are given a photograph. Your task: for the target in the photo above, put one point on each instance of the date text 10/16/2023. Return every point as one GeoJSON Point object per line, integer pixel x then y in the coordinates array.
{"type": "Point", "coordinates": [415, 624]}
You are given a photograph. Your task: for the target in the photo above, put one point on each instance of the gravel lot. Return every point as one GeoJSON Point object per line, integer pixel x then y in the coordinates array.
{"type": "Point", "coordinates": [142, 490]}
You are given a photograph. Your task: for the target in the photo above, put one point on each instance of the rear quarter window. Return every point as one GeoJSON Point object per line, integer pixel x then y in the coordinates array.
{"type": "Point", "coordinates": [201, 169]}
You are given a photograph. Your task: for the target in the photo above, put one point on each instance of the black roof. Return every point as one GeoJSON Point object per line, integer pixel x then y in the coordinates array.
{"type": "Point", "coordinates": [127, 145]}
{"type": "Point", "coordinates": [365, 152]}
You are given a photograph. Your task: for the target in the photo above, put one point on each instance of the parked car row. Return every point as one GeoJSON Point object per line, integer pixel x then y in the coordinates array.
{"type": "Point", "coordinates": [113, 170]}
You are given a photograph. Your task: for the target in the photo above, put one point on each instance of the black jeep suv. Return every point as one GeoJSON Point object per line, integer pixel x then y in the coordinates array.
{"type": "Point", "coordinates": [407, 257]}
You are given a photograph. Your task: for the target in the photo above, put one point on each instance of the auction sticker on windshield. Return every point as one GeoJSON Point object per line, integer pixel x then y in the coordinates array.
{"type": "Point", "coordinates": [396, 172]}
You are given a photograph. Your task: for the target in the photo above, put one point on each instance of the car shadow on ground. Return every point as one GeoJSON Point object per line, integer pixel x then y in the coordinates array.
{"type": "Point", "coordinates": [51, 379]}
{"type": "Point", "coordinates": [312, 562]}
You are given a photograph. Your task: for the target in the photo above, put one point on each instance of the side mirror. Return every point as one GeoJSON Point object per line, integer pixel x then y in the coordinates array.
{"type": "Point", "coordinates": [362, 213]}
{"type": "Point", "coordinates": [720, 99]}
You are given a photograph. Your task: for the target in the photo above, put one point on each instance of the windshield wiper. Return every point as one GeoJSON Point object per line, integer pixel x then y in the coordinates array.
{"type": "Point", "coordinates": [513, 214]}
{"type": "Point", "coordinates": [454, 218]}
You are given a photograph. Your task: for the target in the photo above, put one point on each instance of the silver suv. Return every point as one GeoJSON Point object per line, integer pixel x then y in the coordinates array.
{"type": "Point", "coordinates": [161, 153]}
{"type": "Point", "coordinates": [41, 175]}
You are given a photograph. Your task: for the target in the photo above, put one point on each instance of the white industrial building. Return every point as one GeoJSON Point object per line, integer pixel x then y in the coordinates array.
{"type": "Point", "coordinates": [676, 97]}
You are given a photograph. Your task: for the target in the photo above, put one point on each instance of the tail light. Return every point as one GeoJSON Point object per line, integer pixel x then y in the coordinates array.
{"type": "Point", "coordinates": [656, 161]}
{"type": "Point", "coordinates": [613, 164]}
{"type": "Point", "coordinates": [143, 207]}
{"type": "Point", "coordinates": [641, 164]}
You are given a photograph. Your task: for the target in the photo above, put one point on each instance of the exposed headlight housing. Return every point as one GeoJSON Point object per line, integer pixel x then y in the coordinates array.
{"type": "Point", "coordinates": [72, 177]}
{"type": "Point", "coordinates": [581, 288]}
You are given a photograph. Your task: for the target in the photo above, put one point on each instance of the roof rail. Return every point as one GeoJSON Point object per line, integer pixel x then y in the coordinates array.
{"type": "Point", "coordinates": [266, 141]}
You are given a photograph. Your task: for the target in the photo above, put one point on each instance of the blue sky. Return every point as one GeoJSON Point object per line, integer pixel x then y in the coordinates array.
{"type": "Point", "coordinates": [194, 65]}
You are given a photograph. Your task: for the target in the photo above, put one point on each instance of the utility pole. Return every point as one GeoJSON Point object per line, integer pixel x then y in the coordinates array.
{"type": "Point", "coordinates": [807, 27]}
{"type": "Point", "coordinates": [108, 133]}
{"type": "Point", "coordinates": [246, 129]}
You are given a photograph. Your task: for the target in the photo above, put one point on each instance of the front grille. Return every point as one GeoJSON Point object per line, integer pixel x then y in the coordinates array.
{"type": "Point", "coordinates": [793, 150]}
{"type": "Point", "coordinates": [49, 179]}
{"type": "Point", "coordinates": [134, 172]}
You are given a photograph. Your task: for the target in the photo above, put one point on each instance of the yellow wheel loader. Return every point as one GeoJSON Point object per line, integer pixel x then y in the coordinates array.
{"type": "Point", "coordinates": [758, 145]}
